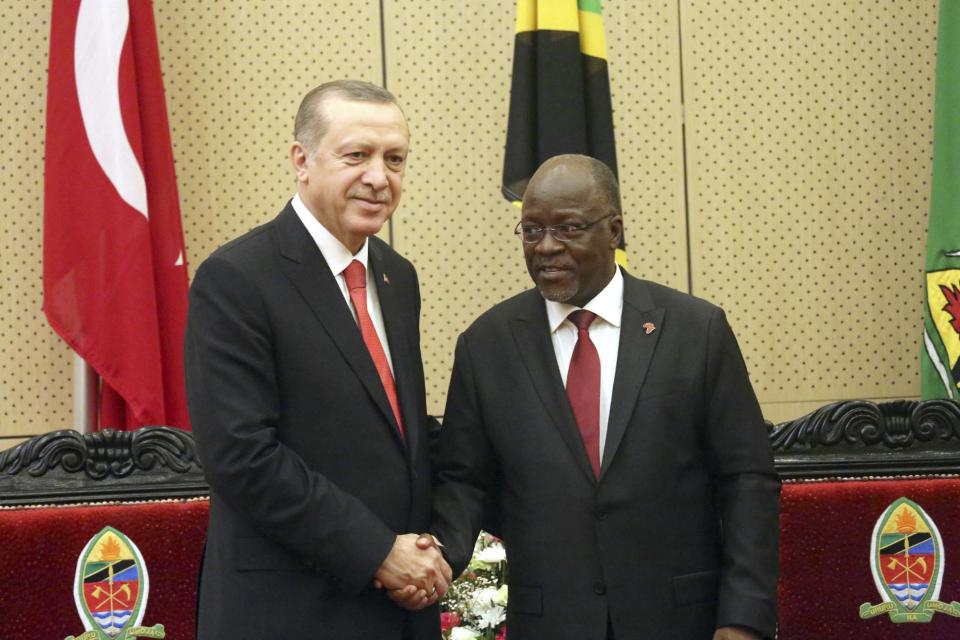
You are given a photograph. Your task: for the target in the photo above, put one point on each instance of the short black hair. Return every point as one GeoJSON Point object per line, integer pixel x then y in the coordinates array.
{"type": "Point", "coordinates": [606, 184]}
{"type": "Point", "coordinates": [604, 181]}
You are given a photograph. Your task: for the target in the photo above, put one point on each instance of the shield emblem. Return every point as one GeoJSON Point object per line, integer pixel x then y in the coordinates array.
{"type": "Point", "coordinates": [906, 559]}
{"type": "Point", "coordinates": [111, 584]}
{"type": "Point", "coordinates": [908, 555]}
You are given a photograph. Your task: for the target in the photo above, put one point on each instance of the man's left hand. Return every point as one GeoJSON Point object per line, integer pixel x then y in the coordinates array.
{"type": "Point", "coordinates": [410, 597]}
{"type": "Point", "coordinates": [735, 633]}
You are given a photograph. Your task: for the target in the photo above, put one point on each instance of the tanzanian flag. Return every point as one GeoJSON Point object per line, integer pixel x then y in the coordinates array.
{"type": "Point", "coordinates": [940, 356]}
{"type": "Point", "coordinates": [560, 96]}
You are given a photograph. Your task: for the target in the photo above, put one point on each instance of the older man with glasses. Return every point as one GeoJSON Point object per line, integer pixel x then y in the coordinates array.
{"type": "Point", "coordinates": [608, 427]}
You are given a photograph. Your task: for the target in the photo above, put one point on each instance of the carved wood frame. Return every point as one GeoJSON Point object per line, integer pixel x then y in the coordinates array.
{"type": "Point", "coordinates": [853, 438]}
{"type": "Point", "coordinates": [66, 466]}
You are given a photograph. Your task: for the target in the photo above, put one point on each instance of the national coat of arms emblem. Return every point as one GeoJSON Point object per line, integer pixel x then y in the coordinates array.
{"type": "Point", "coordinates": [942, 339]}
{"type": "Point", "coordinates": [110, 589]}
{"type": "Point", "coordinates": [907, 561]}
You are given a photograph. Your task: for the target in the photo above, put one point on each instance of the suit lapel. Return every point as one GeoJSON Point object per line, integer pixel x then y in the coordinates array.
{"type": "Point", "coordinates": [304, 264]}
{"type": "Point", "coordinates": [396, 328]}
{"type": "Point", "coordinates": [633, 360]}
{"type": "Point", "coordinates": [531, 332]}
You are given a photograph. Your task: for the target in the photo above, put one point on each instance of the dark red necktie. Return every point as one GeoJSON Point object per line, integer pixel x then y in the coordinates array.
{"type": "Point", "coordinates": [583, 387]}
{"type": "Point", "coordinates": [356, 276]}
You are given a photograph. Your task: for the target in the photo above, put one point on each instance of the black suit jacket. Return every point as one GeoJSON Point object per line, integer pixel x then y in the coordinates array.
{"type": "Point", "coordinates": [310, 480]}
{"type": "Point", "coordinates": [678, 536]}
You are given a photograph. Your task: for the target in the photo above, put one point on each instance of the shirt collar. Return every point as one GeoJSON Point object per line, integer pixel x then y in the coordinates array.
{"type": "Point", "coordinates": [334, 252]}
{"type": "Point", "coordinates": [608, 304]}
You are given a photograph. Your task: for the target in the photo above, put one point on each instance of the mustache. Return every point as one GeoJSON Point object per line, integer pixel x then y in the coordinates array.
{"type": "Point", "coordinates": [545, 264]}
{"type": "Point", "coordinates": [384, 197]}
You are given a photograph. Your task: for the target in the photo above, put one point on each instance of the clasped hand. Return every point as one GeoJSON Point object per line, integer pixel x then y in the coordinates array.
{"type": "Point", "coordinates": [414, 572]}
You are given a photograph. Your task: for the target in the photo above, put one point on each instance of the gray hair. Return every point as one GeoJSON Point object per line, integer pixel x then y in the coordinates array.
{"type": "Point", "coordinates": [310, 123]}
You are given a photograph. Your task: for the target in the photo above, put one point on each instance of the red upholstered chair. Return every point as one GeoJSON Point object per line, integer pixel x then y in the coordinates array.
{"type": "Point", "coordinates": [60, 489]}
{"type": "Point", "coordinates": [843, 466]}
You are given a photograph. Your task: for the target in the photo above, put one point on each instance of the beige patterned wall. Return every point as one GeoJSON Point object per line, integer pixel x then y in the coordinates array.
{"type": "Point", "coordinates": [809, 155]}
{"type": "Point", "coordinates": [35, 366]}
{"type": "Point", "coordinates": [449, 64]}
{"type": "Point", "coordinates": [234, 74]}
{"type": "Point", "coordinates": [806, 166]}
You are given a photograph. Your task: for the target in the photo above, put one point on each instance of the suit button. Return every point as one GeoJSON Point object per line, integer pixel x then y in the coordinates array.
{"type": "Point", "coordinates": [599, 588]}
{"type": "Point", "coordinates": [601, 513]}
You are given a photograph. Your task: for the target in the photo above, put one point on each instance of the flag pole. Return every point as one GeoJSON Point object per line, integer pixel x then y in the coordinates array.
{"type": "Point", "coordinates": [85, 385]}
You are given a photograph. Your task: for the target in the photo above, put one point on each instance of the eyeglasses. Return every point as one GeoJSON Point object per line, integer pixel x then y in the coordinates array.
{"type": "Point", "coordinates": [534, 233]}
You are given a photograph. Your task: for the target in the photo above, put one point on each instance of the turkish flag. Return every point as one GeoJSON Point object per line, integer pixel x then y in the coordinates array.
{"type": "Point", "coordinates": [114, 268]}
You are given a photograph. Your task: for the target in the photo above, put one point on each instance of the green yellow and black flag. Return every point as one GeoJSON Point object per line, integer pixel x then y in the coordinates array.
{"type": "Point", "coordinates": [560, 96]}
{"type": "Point", "coordinates": [940, 356]}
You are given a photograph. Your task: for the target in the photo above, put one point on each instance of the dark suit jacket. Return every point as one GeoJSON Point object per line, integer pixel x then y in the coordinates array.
{"type": "Point", "coordinates": [679, 535]}
{"type": "Point", "coordinates": [310, 480]}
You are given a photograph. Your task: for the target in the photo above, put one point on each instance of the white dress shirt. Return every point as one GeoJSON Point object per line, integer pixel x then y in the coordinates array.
{"type": "Point", "coordinates": [338, 257]}
{"type": "Point", "coordinates": [604, 333]}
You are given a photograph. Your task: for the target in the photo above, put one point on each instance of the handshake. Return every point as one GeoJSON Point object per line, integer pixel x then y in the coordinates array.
{"type": "Point", "coordinates": [414, 573]}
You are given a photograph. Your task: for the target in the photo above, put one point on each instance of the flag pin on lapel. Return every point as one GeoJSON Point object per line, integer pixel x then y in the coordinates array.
{"type": "Point", "coordinates": [649, 327]}
{"type": "Point", "coordinates": [386, 280]}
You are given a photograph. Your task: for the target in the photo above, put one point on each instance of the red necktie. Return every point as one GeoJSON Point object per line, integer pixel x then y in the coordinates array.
{"type": "Point", "coordinates": [583, 387]}
{"type": "Point", "coordinates": [356, 276]}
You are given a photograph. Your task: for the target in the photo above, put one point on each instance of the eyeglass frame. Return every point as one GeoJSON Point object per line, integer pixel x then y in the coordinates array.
{"type": "Point", "coordinates": [552, 229]}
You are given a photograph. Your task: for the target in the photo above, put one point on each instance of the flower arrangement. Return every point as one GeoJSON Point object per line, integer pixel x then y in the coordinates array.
{"type": "Point", "coordinates": [475, 606]}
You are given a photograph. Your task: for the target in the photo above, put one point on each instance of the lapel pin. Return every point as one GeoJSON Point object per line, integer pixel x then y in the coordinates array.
{"type": "Point", "coordinates": [649, 327]}
{"type": "Point", "coordinates": [386, 280]}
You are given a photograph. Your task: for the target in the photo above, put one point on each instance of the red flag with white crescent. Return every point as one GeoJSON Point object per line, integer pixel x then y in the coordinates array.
{"type": "Point", "coordinates": [114, 268]}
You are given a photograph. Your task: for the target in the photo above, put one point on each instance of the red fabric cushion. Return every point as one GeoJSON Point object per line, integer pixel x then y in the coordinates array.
{"type": "Point", "coordinates": [826, 529]}
{"type": "Point", "coordinates": [38, 559]}
{"type": "Point", "coordinates": [825, 535]}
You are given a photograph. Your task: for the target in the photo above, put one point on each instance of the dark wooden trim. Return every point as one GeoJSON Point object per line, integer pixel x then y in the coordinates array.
{"type": "Point", "coordinates": [857, 438]}
{"type": "Point", "coordinates": [853, 438]}
{"type": "Point", "coordinates": [66, 466]}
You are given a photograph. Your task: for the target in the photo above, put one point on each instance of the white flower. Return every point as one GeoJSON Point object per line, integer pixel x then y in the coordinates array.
{"type": "Point", "coordinates": [463, 633]}
{"type": "Point", "coordinates": [483, 598]}
{"type": "Point", "coordinates": [492, 554]}
{"type": "Point", "coordinates": [488, 613]}
{"type": "Point", "coordinates": [480, 597]}
{"type": "Point", "coordinates": [491, 617]}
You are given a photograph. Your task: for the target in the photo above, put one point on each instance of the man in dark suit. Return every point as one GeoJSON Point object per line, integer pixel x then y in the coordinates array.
{"type": "Point", "coordinates": [306, 395]}
{"type": "Point", "coordinates": [620, 452]}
